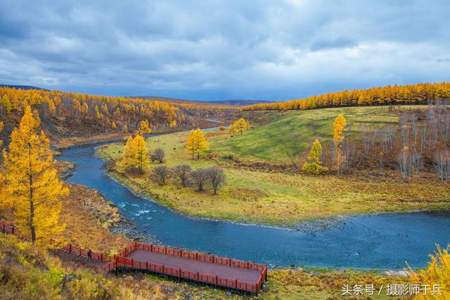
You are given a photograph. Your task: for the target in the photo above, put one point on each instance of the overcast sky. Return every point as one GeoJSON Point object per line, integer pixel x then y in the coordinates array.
{"type": "Point", "coordinates": [223, 49]}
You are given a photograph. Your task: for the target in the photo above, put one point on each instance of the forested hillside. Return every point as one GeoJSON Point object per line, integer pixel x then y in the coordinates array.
{"type": "Point", "coordinates": [422, 93]}
{"type": "Point", "coordinates": [77, 115]}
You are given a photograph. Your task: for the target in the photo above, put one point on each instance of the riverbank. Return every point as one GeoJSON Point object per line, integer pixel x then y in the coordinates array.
{"type": "Point", "coordinates": [91, 221]}
{"type": "Point", "coordinates": [285, 283]}
{"type": "Point", "coordinates": [257, 196]}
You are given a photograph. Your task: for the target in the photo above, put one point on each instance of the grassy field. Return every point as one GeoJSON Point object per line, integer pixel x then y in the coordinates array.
{"type": "Point", "coordinates": [292, 132]}
{"type": "Point", "coordinates": [256, 196]}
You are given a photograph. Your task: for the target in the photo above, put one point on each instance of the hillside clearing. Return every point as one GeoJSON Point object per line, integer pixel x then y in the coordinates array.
{"type": "Point", "coordinates": [257, 196]}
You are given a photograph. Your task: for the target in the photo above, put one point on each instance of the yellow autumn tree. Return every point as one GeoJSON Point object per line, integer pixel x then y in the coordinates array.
{"type": "Point", "coordinates": [1, 129]}
{"type": "Point", "coordinates": [135, 154]}
{"type": "Point", "coordinates": [141, 152]}
{"type": "Point", "coordinates": [144, 127]}
{"type": "Point", "coordinates": [437, 273]}
{"type": "Point", "coordinates": [338, 136]}
{"type": "Point", "coordinates": [85, 108]}
{"type": "Point", "coordinates": [33, 187]}
{"type": "Point", "coordinates": [196, 143]}
{"type": "Point", "coordinates": [2, 184]}
{"type": "Point", "coordinates": [313, 164]}
{"type": "Point", "coordinates": [127, 158]}
{"type": "Point", "coordinates": [173, 123]}
{"type": "Point", "coordinates": [239, 126]}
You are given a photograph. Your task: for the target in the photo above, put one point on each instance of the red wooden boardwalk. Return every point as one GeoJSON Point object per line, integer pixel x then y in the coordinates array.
{"type": "Point", "coordinates": [195, 266]}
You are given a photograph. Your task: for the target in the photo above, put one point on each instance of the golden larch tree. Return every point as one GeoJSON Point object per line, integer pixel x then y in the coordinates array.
{"type": "Point", "coordinates": [85, 108]}
{"type": "Point", "coordinates": [2, 183]}
{"type": "Point", "coordinates": [313, 164]}
{"type": "Point", "coordinates": [144, 127]}
{"type": "Point", "coordinates": [196, 143]}
{"type": "Point", "coordinates": [1, 129]}
{"type": "Point", "coordinates": [338, 136]}
{"type": "Point", "coordinates": [127, 155]}
{"type": "Point", "coordinates": [239, 126]}
{"type": "Point", "coordinates": [135, 154]}
{"type": "Point", "coordinates": [33, 187]}
{"type": "Point", "coordinates": [141, 153]}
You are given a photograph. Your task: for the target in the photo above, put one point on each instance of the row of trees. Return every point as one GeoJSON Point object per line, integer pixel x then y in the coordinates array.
{"type": "Point", "coordinates": [136, 159]}
{"type": "Point", "coordinates": [30, 185]}
{"type": "Point", "coordinates": [214, 176]}
{"type": "Point", "coordinates": [78, 114]}
{"type": "Point", "coordinates": [421, 93]}
{"type": "Point", "coordinates": [420, 142]}
{"type": "Point", "coordinates": [136, 156]}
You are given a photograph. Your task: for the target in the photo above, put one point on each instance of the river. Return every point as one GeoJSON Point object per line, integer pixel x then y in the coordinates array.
{"type": "Point", "coordinates": [384, 241]}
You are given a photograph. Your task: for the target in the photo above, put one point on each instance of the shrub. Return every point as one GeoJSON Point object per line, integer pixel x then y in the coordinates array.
{"type": "Point", "coordinates": [161, 174]}
{"type": "Point", "coordinates": [216, 177]}
{"type": "Point", "coordinates": [183, 172]}
{"type": "Point", "coordinates": [200, 177]}
{"type": "Point", "coordinates": [314, 168]}
{"type": "Point", "coordinates": [313, 164]}
{"type": "Point", "coordinates": [158, 155]}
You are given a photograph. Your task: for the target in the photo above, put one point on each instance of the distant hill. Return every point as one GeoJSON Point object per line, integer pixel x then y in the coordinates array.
{"type": "Point", "coordinates": [233, 102]}
{"type": "Point", "coordinates": [240, 102]}
{"type": "Point", "coordinates": [236, 102]}
{"type": "Point", "coordinates": [22, 87]}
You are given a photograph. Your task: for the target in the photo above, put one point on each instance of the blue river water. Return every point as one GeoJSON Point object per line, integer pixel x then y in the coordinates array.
{"type": "Point", "coordinates": [384, 241]}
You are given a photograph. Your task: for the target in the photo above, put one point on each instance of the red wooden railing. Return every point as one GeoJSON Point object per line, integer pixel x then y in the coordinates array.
{"type": "Point", "coordinates": [122, 260]}
{"type": "Point", "coordinates": [71, 249]}
{"type": "Point", "coordinates": [198, 256]}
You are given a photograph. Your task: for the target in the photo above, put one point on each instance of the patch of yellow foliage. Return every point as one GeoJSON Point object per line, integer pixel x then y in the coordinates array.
{"type": "Point", "coordinates": [436, 274]}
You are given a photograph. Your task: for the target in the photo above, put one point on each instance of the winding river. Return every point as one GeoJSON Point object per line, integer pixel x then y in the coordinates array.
{"type": "Point", "coordinates": [385, 241]}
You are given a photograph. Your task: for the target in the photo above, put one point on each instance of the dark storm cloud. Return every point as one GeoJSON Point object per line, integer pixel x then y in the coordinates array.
{"type": "Point", "coordinates": [222, 49]}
